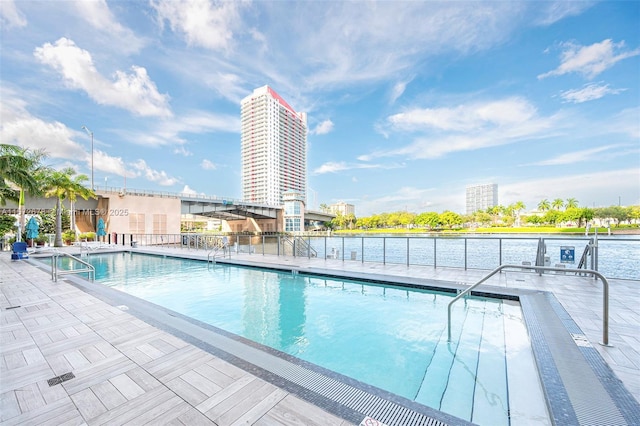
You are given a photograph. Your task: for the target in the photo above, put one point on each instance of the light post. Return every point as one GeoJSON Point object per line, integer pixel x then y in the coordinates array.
{"type": "Point", "coordinates": [90, 134]}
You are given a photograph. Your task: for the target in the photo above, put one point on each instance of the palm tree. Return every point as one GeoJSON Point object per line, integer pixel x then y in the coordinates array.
{"type": "Point", "coordinates": [518, 207]}
{"type": "Point", "coordinates": [557, 203]}
{"type": "Point", "coordinates": [18, 168]}
{"type": "Point", "coordinates": [544, 205]}
{"type": "Point", "coordinates": [16, 172]}
{"type": "Point", "coordinates": [63, 185]}
{"type": "Point", "coordinates": [572, 203]}
{"type": "Point", "coordinates": [351, 220]}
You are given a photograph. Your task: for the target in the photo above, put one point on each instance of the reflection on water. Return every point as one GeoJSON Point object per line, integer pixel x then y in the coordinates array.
{"type": "Point", "coordinates": [273, 311]}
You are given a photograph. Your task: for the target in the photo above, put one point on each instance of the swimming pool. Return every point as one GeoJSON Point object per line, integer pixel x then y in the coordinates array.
{"type": "Point", "coordinates": [389, 337]}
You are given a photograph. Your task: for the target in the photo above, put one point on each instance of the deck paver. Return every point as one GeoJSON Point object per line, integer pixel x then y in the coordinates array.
{"type": "Point", "coordinates": [108, 394]}
{"type": "Point", "coordinates": [128, 371]}
{"type": "Point", "coordinates": [88, 404]}
{"type": "Point", "coordinates": [186, 391]}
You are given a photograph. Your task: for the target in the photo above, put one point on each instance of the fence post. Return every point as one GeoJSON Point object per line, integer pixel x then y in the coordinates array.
{"type": "Point", "coordinates": [407, 251]}
{"type": "Point", "coordinates": [384, 250]}
{"type": "Point", "coordinates": [325, 247]}
{"type": "Point", "coordinates": [434, 252]}
{"type": "Point", "coordinates": [465, 254]}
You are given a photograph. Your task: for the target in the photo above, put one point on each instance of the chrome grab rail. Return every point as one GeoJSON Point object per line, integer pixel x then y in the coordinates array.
{"type": "Point", "coordinates": [605, 294]}
{"type": "Point", "coordinates": [219, 244]}
{"type": "Point", "coordinates": [90, 270]}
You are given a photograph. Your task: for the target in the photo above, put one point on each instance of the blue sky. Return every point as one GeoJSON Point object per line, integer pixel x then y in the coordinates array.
{"type": "Point", "coordinates": [408, 102]}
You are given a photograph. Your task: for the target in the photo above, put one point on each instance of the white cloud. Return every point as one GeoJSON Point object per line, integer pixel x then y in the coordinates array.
{"type": "Point", "coordinates": [554, 11]}
{"type": "Point", "coordinates": [589, 92]}
{"type": "Point", "coordinates": [330, 167]}
{"type": "Point", "coordinates": [168, 132]}
{"type": "Point", "coordinates": [397, 91]}
{"type": "Point", "coordinates": [464, 118]}
{"type": "Point", "coordinates": [10, 16]}
{"type": "Point", "coordinates": [203, 23]}
{"type": "Point", "coordinates": [412, 199]}
{"type": "Point", "coordinates": [180, 149]}
{"type": "Point", "coordinates": [353, 42]}
{"type": "Point", "coordinates": [594, 154]}
{"type": "Point", "coordinates": [208, 165]}
{"type": "Point", "coordinates": [440, 131]}
{"type": "Point", "coordinates": [109, 164]}
{"type": "Point", "coordinates": [99, 16]}
{"type": "Point", "coordinates": [187, 190]}
{"type": "Point", "coordinates": [323, 128]}
{"type": "Point", "coordinates": [625, 122]}
{"type": "Point", "coordinates": [589, 188]}
{"type": "Point", "coordinates": [334, 167]}
{"type": "Point", "coordinates": [160, 177]}
{"type": "Point", "coordinates": [135, 92]}
{"type": "Point", "coordinates": [590, 60]}
{"type": "Point", "coordinates": [19, 127]}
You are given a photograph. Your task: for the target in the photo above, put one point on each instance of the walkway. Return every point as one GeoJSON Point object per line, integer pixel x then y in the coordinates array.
{"type": "Point", "coordinates": [127, 371]}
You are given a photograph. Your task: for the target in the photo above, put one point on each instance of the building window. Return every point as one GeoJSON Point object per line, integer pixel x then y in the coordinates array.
{"type": "Point", "coordinates": [159, 223]}
{"type": "Point", "coordinates": [136, 223]}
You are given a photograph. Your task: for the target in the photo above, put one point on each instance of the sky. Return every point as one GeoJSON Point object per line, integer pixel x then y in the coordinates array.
{"type": "Point", "coordinates": [408, 102]}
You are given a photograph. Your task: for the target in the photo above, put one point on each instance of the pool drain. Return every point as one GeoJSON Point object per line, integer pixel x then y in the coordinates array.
{"type": "Point", "coordinates": [59, 379]}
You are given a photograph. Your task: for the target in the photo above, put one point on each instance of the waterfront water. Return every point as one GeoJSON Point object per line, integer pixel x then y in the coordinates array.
{"type": "Point", "coordinates": [618, 257]}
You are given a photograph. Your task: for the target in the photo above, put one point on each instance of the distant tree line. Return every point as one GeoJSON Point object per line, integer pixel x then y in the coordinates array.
{"type": "Point", "coordinates": [549, 213]}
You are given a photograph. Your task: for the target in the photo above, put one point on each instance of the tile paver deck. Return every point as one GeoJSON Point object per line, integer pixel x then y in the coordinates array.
{"type": "Point", "coordinates": [126, 371]}
{"type": "Point", "coordinates": [129, 372]}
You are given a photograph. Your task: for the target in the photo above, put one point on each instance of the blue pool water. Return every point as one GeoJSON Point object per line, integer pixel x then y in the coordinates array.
{"type": "Point", "coordinates": [390, 337]}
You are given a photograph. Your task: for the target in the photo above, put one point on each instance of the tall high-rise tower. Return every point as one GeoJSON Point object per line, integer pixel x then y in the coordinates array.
{"type": "Point", "coordinates": [481, 197]}
{"type": "Point", "coordinates": [274, 148]}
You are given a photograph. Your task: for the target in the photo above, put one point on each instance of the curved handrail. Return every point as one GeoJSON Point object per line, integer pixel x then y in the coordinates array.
{"type": "Point", "coordinates": [221, 243]}
{"type": "Point", "coordinates": [605, 295]}
{"type": "Point", "coordinates": [90, 270]}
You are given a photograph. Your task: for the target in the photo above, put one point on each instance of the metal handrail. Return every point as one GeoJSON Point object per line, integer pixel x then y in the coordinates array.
{"type": "Point", "coordinates": [605, 295]}
{"type": "Point", "coordinates": [90, 270]}
{"type": "Point", "coordinates": [211, 256]}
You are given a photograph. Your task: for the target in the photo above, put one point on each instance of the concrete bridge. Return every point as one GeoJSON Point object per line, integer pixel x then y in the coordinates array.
{"type": "Point", "coordinates": [116, 205]}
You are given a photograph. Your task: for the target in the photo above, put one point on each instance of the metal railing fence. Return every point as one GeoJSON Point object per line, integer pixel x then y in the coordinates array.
{"type": "Point", "coordinates": [616, 257]}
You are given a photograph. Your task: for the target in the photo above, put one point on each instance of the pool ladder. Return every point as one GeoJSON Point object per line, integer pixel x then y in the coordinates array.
{"type": "Point", "coordinates": [211, 256]}
{"type": "Point", "coordinates": [596, 274]}
{"type": "Point", "coordinates": [56, 272]}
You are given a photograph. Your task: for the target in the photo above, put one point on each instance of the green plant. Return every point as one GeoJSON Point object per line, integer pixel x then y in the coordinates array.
{"type": "Point", "coordinates": [68, 236]}
{"type": "Point", "coordinates": [89, 236]}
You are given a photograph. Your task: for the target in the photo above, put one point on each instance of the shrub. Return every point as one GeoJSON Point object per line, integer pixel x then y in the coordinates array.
{"type": "Point", "coordinates": [89, 236]}
{"type": "Point", "coordinates": [68, 236]}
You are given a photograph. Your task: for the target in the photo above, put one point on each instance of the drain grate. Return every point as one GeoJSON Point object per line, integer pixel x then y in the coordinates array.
{"type": "Point", "coordinates": [59, 379]}
{"type": "Point", "coordinates": [12, 307]}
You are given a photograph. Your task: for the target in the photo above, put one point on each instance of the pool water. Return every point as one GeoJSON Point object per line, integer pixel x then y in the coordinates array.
{"type": "Point", "coordinates": [389, 337]}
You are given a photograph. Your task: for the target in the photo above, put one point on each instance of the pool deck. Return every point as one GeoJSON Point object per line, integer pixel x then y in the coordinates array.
{"type": "Point", "coordinates": [130, 372]}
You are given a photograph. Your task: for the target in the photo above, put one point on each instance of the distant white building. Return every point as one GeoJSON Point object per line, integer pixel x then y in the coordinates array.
{"type": "Point", "coordinates": [273, 148]}
{"type": "Point", "coordinates": [342, 208]}
{"type": "Point", "coordinates": [481, 197]}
